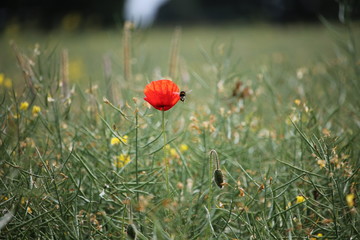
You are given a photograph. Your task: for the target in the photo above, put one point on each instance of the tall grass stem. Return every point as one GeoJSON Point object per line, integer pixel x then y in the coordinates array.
{"type": "Point", "coordinates": [174, 54]}
{"type": "Point", "coordinates": [127, 50]}
{"type": "Point", "coordinates": [64, 72]}
{"type": "Point", "coordinates": [136, 151]}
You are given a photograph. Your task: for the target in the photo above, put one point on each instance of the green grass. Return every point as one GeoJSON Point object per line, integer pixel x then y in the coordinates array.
{"type": "Point", "coordinates": [287, 139]}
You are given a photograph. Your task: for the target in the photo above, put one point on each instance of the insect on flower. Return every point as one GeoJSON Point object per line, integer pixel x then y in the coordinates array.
{"type": "Point", "coordinates": [182, 95]}
{"type": "Point", "coordinates": [161, 94]}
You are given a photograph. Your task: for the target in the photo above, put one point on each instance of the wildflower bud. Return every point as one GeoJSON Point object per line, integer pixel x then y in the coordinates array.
{"type": "Point", "coordinates": [241, 192]}
{"type": "Point", "coordinates": [29, 210]}
{"type": "Point", "coordinates": [222, 111]}
{"type": "Point", "coordinates": [105, 100]}
{"type": "Point", "coordinates": [50, 99]}
{"type": "Point", "coordinates": [193, 119]}
{"type": "Point", "coordinates": [205, 124]}
{"type": "Point", "coordinates": [131, 231]}
{"type": "Point", "coordinates": [180, 185]}
{"type": "Point", "coordinates": [218, 178]}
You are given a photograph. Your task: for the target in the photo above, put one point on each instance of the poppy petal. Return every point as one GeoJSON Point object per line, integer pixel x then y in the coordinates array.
{"type": "Point", "coordinates": [162, 94]}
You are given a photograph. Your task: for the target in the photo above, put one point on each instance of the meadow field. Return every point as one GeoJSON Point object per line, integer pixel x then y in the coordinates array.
{"type": "Point", "coordinates": [265, 145]}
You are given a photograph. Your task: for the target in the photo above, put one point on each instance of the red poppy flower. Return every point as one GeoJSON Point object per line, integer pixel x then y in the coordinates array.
{"type": "Point", "coordinates": [162, 94]}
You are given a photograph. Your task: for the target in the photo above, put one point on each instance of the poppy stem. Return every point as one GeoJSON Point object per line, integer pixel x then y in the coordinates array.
{"type": "Point", "coordinates": [165, 159]}
{"type": "Point", "coordinates": [212, 155]}
{"type": "Point", "coordinates": [217, 163]}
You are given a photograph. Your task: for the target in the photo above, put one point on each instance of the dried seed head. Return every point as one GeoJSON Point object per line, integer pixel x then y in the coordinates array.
{"type": "Point", "coordinates": [131, 231]}
{"type": "Point", "coordinates": [218, 178]}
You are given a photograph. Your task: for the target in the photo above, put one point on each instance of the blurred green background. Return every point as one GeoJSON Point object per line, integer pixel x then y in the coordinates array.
{"type": "Point", "coordinates": [252, 45]}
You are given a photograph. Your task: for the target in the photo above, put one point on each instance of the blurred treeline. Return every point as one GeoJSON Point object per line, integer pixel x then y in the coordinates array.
{"type": "Point", "coordinates": [48, 15]}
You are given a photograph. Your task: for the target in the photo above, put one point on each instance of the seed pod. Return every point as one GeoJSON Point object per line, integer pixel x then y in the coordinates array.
{"type": "Point", "coordinates": [218, 178]}
{"type": "Point", "coordinates": [131, 231]}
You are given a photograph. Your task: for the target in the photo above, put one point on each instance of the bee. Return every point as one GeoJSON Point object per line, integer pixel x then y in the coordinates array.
{"type": "Point", "coordinates": [182, 95]}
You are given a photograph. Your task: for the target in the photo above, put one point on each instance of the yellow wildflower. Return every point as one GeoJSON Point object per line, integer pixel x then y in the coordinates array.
{"type": "Point", "coordinates": [300, 199]}
{"type": "Point", "coordinates": [8, 83]}
{"type": "Point", "coordinates": [2, 197]}
{"type": "Point", "coordinates": [319, 235]}
{"type": "Point", "coordinates": [350, 199]}
{"type": "Point", "coordinates": [116, 141]}
{"type": "Point", "coordinates": [122, 160]}
{"type": "Point", "coordinates": [184, 147]}
{"type": "Point", "coordinates": [35, 110]}
{"type": "Point", "coordinates": [297, 102]}
{"type": "Point", "coordinates": [173, 152]}
{"type": "Point", "coordinates": [125, 139]}
{"type": "Point", "coordinates": [24, 106]}
{"type": "Point", "coordinates": [2, 76]}
{"type": "Point", "coordinates": [28, 209]}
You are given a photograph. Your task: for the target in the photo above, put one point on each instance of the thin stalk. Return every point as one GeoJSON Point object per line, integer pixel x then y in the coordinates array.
{"type": "Point", "coordinates": [127, 51]}
{"type": "Point", "coordinates": [58, 127]}
{"type": "Point", "coordinates": [64, 73]}
{"type": "Point", "coordinates": [166, 162]}
{"type": "Point", "coordinates": [212, 155]}
{"type": "Point", "coordinates": [17, 121]}
{"type": "Point", "coordinates": [210, 177]}
{"type": "Point", "coordinates": [123, 223]}
{"type": "Point", "coordinates": [205, 159]}
{"type": "Point", "coordinates": [217, 163]}
{"type": "Point", "coordinates": [174, 54]}
{"type": "Point", "coordinates": [136, 153]}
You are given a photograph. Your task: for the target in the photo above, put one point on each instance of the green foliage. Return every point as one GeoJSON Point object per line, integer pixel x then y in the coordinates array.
{"type": "Point", "coordinates": [285, 132]}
